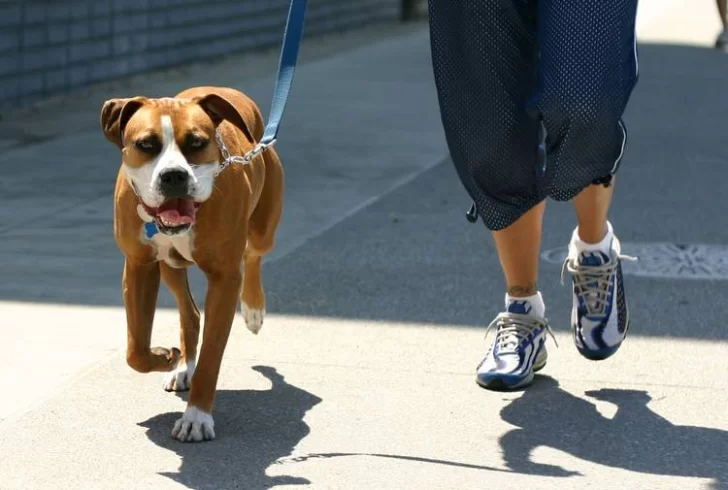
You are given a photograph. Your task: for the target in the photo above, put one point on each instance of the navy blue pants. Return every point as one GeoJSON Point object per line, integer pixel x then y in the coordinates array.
{"type": "Point", "coordinates": [531, 95]}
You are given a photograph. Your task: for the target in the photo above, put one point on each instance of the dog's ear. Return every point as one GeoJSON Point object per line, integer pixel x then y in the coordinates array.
{"type": "Point", "coordinates": [115, 114]}
{"type": "Point", "coordinates": [219, 108]}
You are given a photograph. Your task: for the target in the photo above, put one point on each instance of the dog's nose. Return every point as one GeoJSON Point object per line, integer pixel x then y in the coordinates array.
{"type": "Point", "coordinates": [174, 183]}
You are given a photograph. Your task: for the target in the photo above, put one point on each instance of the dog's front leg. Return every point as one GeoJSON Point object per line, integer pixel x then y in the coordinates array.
{"type": "Point", "coordinates": [222, 298]}
{"type": "Point", "coordinates": [141, 286]}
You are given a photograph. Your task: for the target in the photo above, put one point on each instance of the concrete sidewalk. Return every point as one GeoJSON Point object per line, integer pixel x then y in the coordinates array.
{"type": "Point", "coordinates": [362, 377]}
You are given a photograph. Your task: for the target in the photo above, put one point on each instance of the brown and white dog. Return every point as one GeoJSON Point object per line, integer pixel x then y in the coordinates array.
{"type": "Point", "coordinates": [223, 223]}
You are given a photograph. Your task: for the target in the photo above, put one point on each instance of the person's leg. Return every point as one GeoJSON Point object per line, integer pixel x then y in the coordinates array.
{"type": "Point", "coordinates": [722, 11]}
{"type": "Point", "coordinates": [721, 41]}
{"type": "Point", "coordinates": [484, 54]}
{"type": "Point", "coordinates": [518, 250]}
{"type": "Point", "coordinates": [592, 209]}
{"type": "Point", "coordinates": [588, 70]}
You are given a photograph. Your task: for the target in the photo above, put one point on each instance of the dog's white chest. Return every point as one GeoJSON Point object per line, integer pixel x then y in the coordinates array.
{"type": "Point", "coordinates": [165, 247]}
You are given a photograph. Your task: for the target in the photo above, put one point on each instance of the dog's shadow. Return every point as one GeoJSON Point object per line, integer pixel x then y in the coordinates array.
{"type": "Point", "coordinates": [635, 439]}
{"type": "Point", "coordinates": [254, 429]}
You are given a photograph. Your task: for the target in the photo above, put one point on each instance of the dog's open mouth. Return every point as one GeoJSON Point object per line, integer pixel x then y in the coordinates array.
{"type": "Point", "coordinates": [174, 215]}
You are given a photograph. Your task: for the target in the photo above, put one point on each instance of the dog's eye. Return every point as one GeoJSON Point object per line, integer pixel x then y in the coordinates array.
{"type": "Point", "coordinates": [196, 143]}
{"type": "Point", "coordinates": [148, 145]}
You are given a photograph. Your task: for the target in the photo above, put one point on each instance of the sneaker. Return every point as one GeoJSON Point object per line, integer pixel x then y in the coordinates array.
{"type": "Point", "coordinates": [599, 316]}
{"type": "Point", "coordinates": [518, 350]}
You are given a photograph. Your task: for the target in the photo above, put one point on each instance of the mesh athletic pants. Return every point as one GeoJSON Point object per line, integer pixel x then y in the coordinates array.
{"type": "Point", "coordinates": [531, 95]}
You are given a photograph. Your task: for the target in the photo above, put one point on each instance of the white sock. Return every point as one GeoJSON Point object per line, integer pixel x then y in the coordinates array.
{"type": "Point", "coordinates": [538, 308]}
{"type": "Point", "coordinates": [604, 246]}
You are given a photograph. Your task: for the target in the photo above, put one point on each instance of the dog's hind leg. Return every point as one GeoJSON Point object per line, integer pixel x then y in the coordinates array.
{"type": "Point", "coordinates": [253, 297]}
{"type": "Point", "coordinates": [189, 318]}
{"type": "Point", "coordinates": [261, 240]}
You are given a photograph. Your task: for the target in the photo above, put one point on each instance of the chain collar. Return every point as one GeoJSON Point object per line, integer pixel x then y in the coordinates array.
{"type": "Point", "coordinates": [228, 159]}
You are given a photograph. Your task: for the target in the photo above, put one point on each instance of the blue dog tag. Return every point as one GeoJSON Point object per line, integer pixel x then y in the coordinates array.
{"type": "Point", "coordinates": [150, 229]}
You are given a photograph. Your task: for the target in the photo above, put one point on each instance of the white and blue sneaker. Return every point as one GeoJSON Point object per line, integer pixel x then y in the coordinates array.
{"type": "Point", "coordinates": [599, 315]}
{"type": "Point", "coordinates": [519, 348]}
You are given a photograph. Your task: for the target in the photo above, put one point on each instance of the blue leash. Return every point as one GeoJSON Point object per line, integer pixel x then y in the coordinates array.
{"type": "Point", "coordinates": [286, 67]}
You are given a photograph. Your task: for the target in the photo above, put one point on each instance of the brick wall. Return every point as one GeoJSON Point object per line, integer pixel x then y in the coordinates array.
{"type": "Point", "coordinates": [48, 47]}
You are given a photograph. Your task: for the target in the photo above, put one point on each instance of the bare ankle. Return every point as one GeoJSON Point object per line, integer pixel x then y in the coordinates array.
{"type": "Point", "coordinates": [522, 291]}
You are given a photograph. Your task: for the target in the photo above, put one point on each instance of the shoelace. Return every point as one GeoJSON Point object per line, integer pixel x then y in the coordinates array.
{"type": "Point", "coordinates": [591, 282]}
{"type": "Point", "coordinates": [512, 328]}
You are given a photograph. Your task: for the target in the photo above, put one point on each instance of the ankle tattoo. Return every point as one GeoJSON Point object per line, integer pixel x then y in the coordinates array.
{"type": "Point", "coordinates": [526, 290]}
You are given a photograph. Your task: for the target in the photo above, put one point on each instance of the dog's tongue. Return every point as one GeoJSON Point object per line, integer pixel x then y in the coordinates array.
{"type": "Point", "coordinates": [176, 212]}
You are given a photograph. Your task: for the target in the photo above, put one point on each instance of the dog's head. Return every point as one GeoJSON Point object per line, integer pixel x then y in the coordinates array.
{"type": "Point", "coordinates": [169, 151]}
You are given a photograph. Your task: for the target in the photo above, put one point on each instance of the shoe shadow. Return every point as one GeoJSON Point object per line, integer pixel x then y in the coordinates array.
{"type": "Point", "coordinates": [254, 430]}
{"type": "Point", "coordinates": [635, 439]}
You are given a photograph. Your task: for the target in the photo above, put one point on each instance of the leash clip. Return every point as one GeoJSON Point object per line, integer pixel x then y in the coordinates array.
{"type": "Point", "coordinates": [228, 159]}
{"type": "Point", "coordinates": [292, 36]}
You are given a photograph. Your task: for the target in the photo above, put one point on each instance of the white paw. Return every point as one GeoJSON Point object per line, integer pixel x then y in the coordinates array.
{"type": "Point", "coordinates": [253, 318]}
{"type": "Point", "coordinates": [194, 426]}
{"type": "Point", "coordinates": [181, 378]}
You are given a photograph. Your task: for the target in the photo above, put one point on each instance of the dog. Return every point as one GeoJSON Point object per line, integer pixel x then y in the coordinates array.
{"type": "Point", "coordinates": [178, 204]}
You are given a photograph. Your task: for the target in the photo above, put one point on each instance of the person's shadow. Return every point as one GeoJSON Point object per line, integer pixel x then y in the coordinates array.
{"type": "Point", "coordinates": [635, 439]}
{"type": "Point", "coordinates": [254, 429]}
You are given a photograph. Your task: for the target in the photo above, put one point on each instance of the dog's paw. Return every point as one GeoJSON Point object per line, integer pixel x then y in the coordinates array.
{"type": "Point", "coordinates": [194, 426]}
{"type": "Point", "coordinates": [253, 318]}
{"type": "Point", "coordinates": [180, 378]}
